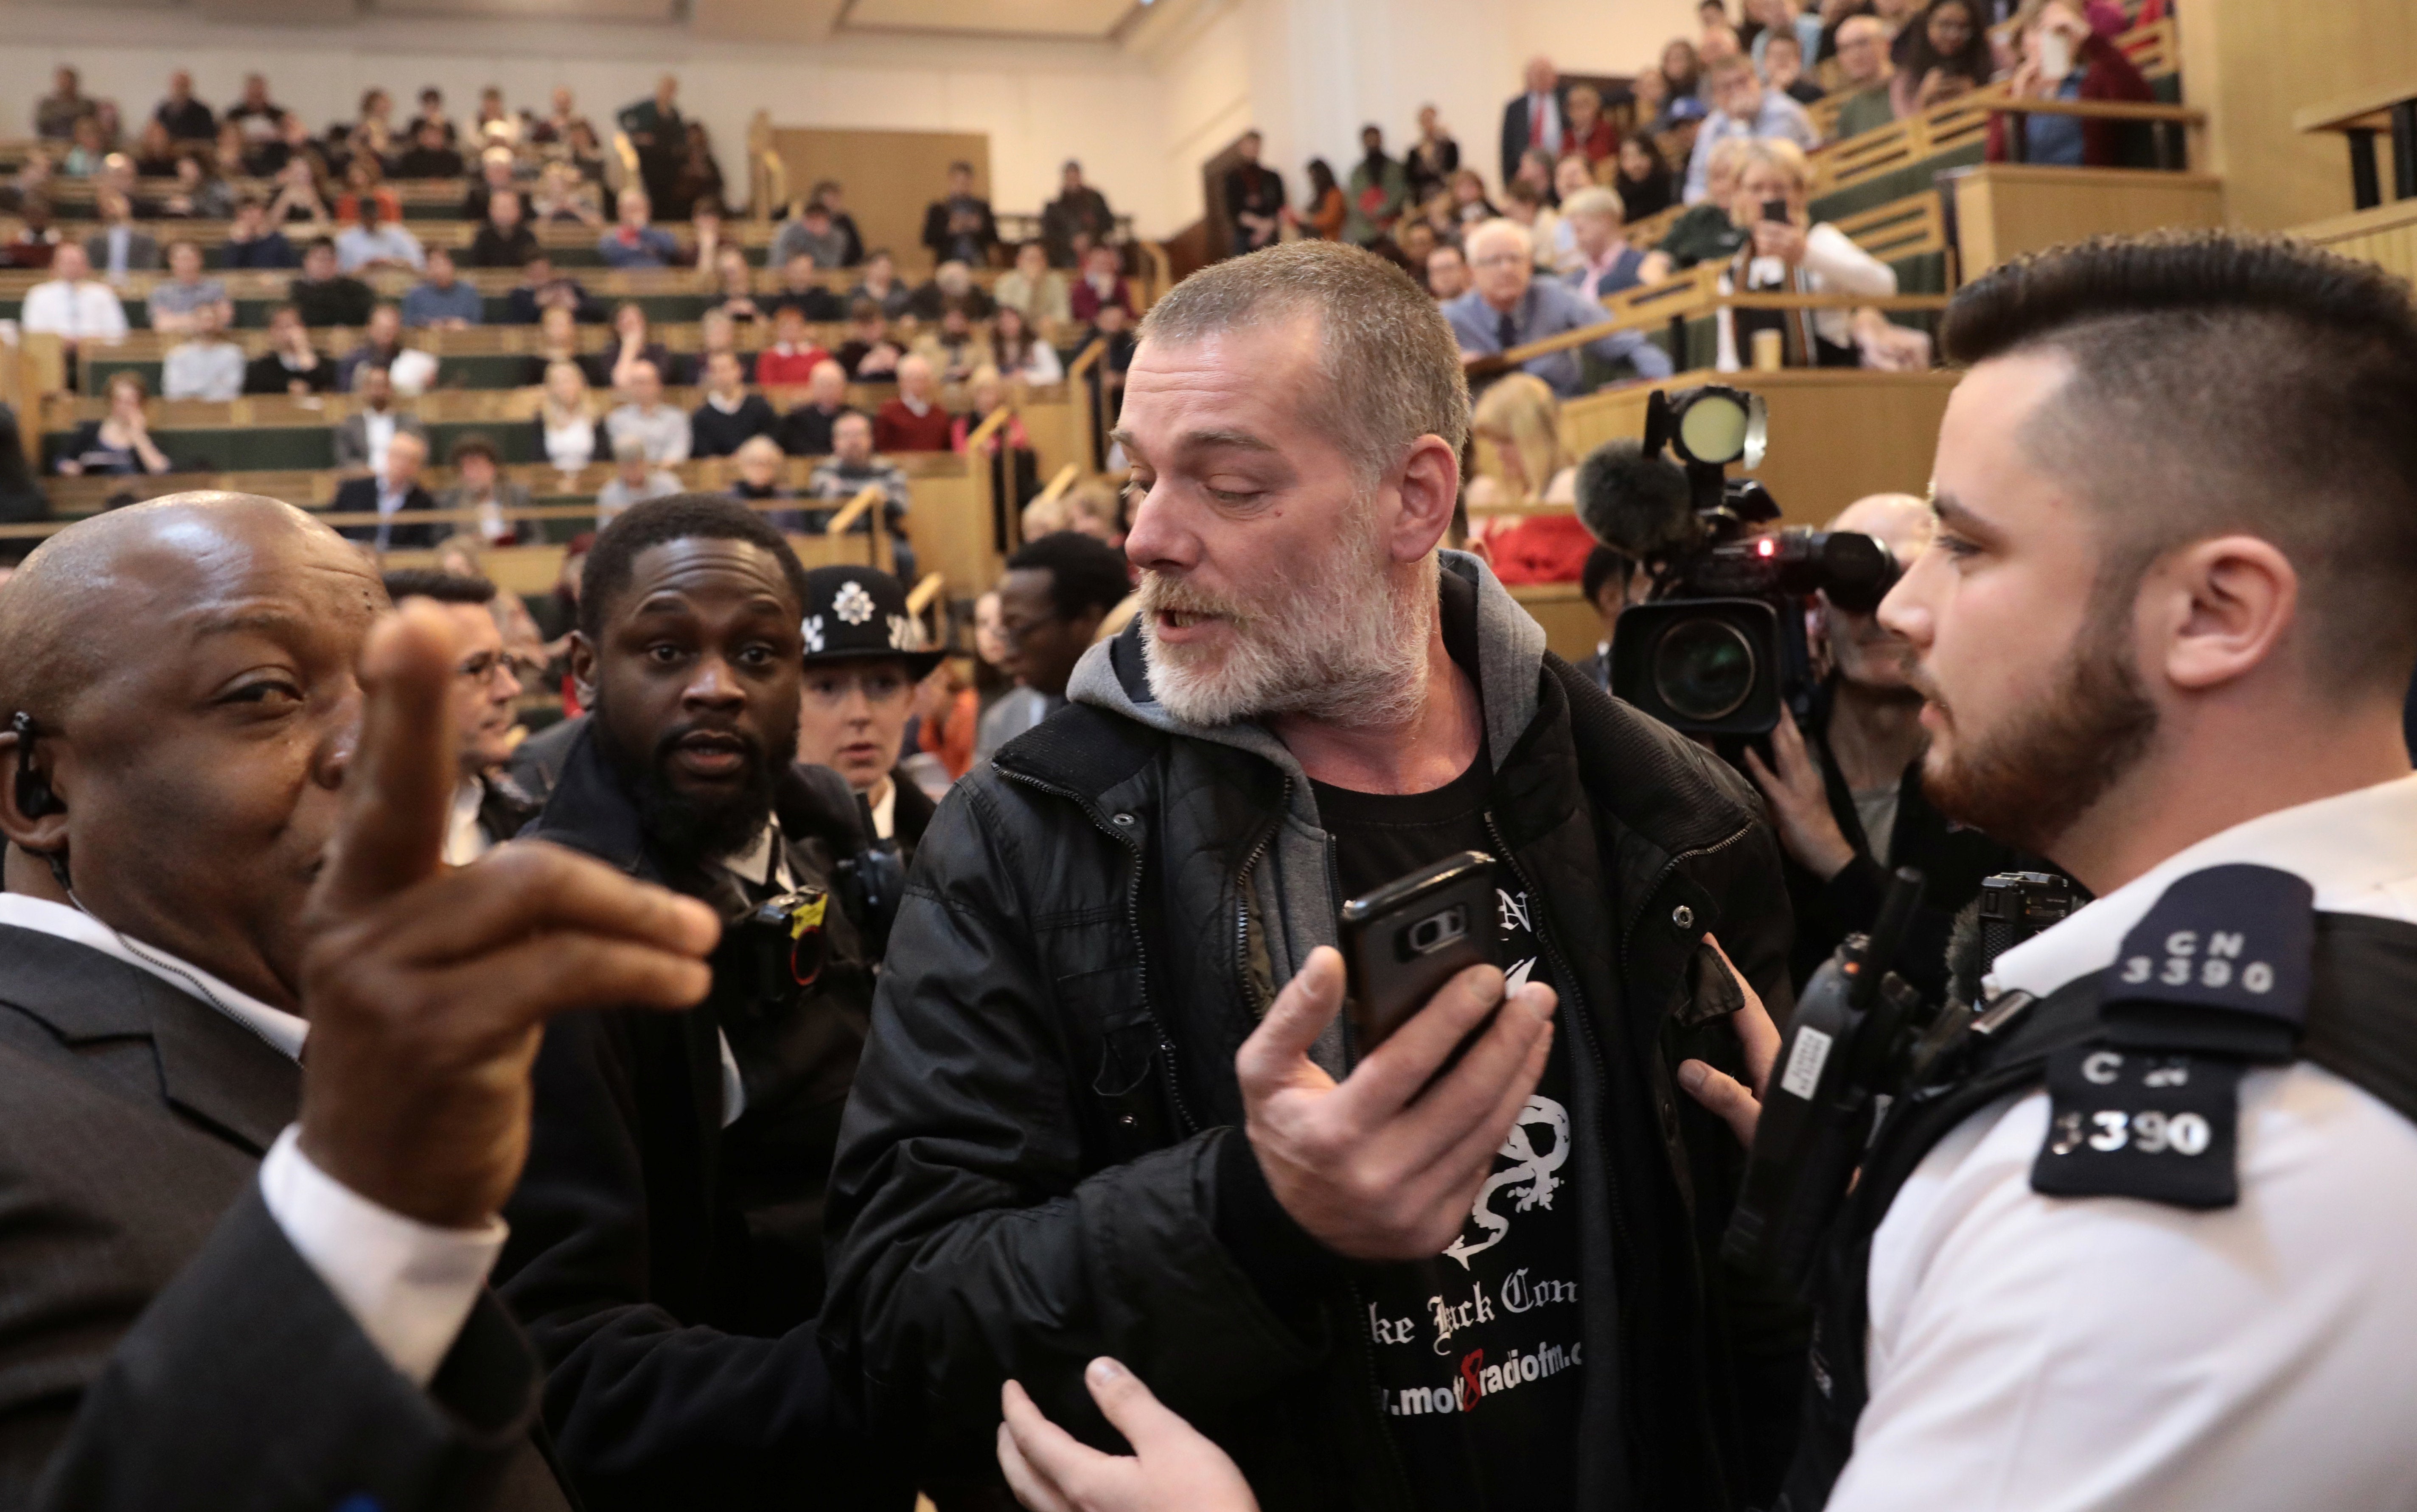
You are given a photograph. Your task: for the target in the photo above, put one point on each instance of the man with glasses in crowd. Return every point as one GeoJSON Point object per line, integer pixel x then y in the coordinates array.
{"type": "Point", "coordinates": [1510, 307]}
{"type": "Point", "coordinates": [489, 808]}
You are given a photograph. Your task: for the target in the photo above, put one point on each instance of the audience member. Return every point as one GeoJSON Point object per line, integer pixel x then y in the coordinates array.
{"type": "Point", "coordinates": [259, 121]}
{"type": "Point", "coordinates": [205, 365]}
{"type": "Point", "coordinates": [374, 243]}
{"type": "Point", "coordinates": [1114, 334]}
{"type": "Point", "coordinates": [181, 115]}
{"type": "Point", "coordinates": [1704, 232]}
{"type": "Point", "coordinates": [850, 470]}
{"type": "Point", "coordinates": [498, 173]}
{"type": "Point", "coordinates": [391, 491]}
{"type": "Point", "coordinates": [1510, 307]}
{"type": "Point", "coordinates": [633, 241]}
{"type": "Point", "coordinates": [1606, 263]}
{"type": "Point", "coordinates": [176, 301]}
{"type": "Point", "coordinates": [299, 205]}
{"type": "Point", "coordinates": [868, 354]}
{"type": "Point", "coordinates": [832, 196]}
{"type": "Point", "coordinates": [635, 479]}
{"type": "Point", "coordinates": [1447, 273]}
{"type": "Point", "coordinates": [37, 238]}
{"type": "Point", "coordinates": [1643, 182]}
{"type": "Point", "coordinates": [431, 155]}
{"type": "Point", "coordinates": [735, 281]}
{"type": "Point", "coordinates": [557, 341]}
{"type": "Point", "coordinates": [913, 420]}
{"type": "Point", "coordinates": [949, 281]}
{"type": "Point", "coordinates": [1682, 71]}
{"type": "Point", "coordinates": [291, 365]}
{"type": "Point", "coordinates": [985, 395]}
{"type": "Point", "coordinates": [1519, 420]}
{"type": "Point", "coordinates": [479, 484]}
{"type": "Point", "coordinates": [443, 301]}
{"type": "Point", "coordinates": [200, 193]}
{"type": "Point", "coordinates": [1255, 197]}
{"type": "Point", "coordinates": [365, 185]}
{"type": "Point", "coordinates": [372, 131]}
{"type": "Point", "coordinates": [953, 348]}
{"type": "Point", "coordinates": [1791, 18]}
{"type": "Point", "coordinates": [1076, 221]}
{"type": "Point", "coordinates": [1378, 190]}
{"type": "Point", "coordinates": [1537, 118]}
{"type": "Point", "coordinates": [362, 438]}
{"type": "Point", "coordinates": [806, 430]}
{"type": "Point", "coordinates": [542, 288]}
{"type": "Point", "coordinates": [642, 415]}
{"type": "Point", "coordinates": [563, 198]}
{"type": "Point", "coordinates": [381, 346]}
{"type": "Point", "coordinates": [71, 304]}
{"type": "Point", "coordinates": [431, 114]}
{"type": "Point", "coordinates": [55, 115]}
{"type": "Point", "coordinates": [119, 443]}
{"type": "Point", "coordinates": [863, 662]}
{"type": "Point", "coordinates": [502, 239]}
{"type": "Point", "coordinates": [1470, 205]}
{"type": "Point", "coordinates": [792, 354]}
{"type": "Point", "coordinates": [2054, 34]}
{"type": "Point", "coordinates": [566, 419]}
{"type": "Point", "coordinates": [1944, 54]}
{"type": "Point", "coordinates": [1034, 288]}
{"type": "Point", "coordinates": [729, 415]}
{"type": "Point", "coordinates": [1864, 76]}
{"type": "Point", "coordinates": [1743, 109]}
{"type": "Point", "coordinates": [633, 342]}
{"type": "Point", "coordinates": [119, 247]}
{"type": "Point", "coordinates": [880, 284]}
{"type": "Point", "coordinates": [1102, 282]}
{"type": "Point", "coordinates": [253, 243]}
{"type": "Point", "coordinates": [811, 234]}
{"type": "Point", "coordinates": [90, 149]}
{"type": "Point", "coordinates": [802, 290]}
{"type": "Point", "coordinates": [1798, 256]}
{"type": "Point", "coordinates": [1432, 159]}
{"type": "Point", "coordinates": [1021, 351]}
{"type": "Point", "coordinates": [758, 464]}
{"type": "Point", "coordinates": [488, 807]}
{"type": "Point", "coordinates": [1589, 130]}
{"type": "Point", "coordinates": [959, 226]}
{"type": "Point", "coordinates": [1524, 206]}
{"type": "Point", "coordinates": [1782, 69]}
{"type": "Point", "coordinates": [1323, 214]}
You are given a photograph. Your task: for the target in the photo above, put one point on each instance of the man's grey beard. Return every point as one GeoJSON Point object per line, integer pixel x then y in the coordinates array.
{"type": "Point", "coordinates": [1337, 637]}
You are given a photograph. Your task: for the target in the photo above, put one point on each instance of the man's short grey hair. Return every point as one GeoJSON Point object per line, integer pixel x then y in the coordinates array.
{"type": "Point", "coordinates": [1493, 230]}
{"type": "Point", "coordinates": [1595, 200]}
{"type": "Point", "coordinates": [1856, 27]}
{"type": "Point", "coordinates": [1390, 366]}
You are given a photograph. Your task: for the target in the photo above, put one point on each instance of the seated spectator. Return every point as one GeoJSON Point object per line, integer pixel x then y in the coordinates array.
{"type": "Point", "coordinates": [1102, 282]}
{"type": "Point", "coordinates": [390, 490]}
{"type": "Point", "coordinates": [1782, 69]}
{"type": "Point", "coordinates": [913, 420]}
{"type": "Point", "coordinates": [566, 419]}
{"type": "Point", "coordinates": [868, 354]}
{"type": "Point", "coordinates": [633, 241]}
{"type": "Point", "coordinates": [812, 234]}
{"type": "Point", "coordinates": [497, 174]}
{"type": "Point", "coordinates": [851, 469]}
{"type": "Point", "coordinates": [431, 113]}
{"type": "Point", "coordinates": [1254, 196]}
{"type": "Point", "coordinates": [55, 115]}
{"type": "Point", "coordinates": [880, 284]}
{"type": "Point", "coordinates": [442, 301]}
{"type": "Point", "coordinates": [200, 194]}
{"type": "Point", "coordinates": [985, 392]}
{"type": "Point", "coordinates": [715, 332]}
{"type": "Point", "coordinates": [1022, 355]}
{"type": "Point", "coordinates": [1076, 221]}
{"type": "Point", "coordinates": [503, 240]}
{"type": "Point", "coordinates": [949, 281]}
{"type": "Point", "coordinates": [1447, 273]}
{"type": "Point", "coordinates": [1798, 256]}
{"type": "Point", "coordinates": [1470, 205]}
{"type": "Point", "coordinates": [1643, 181]}
{"type": "Point", "coordinates": [291, 365]}
{"type": "Point", "coordinates": [119, 443]}
{"type": "Point", "coordinates": [362, 438]}
{"type": "Point", "coordinates": [365, 185]}
{"type": "Point", "coordinates": [635, 481]}
{"type": "Point", "coordinates": [382, 347]}
{"type": "Point", "coordinates": [205, 365]}
{"type": "Point", "coordinates": [953, 348]}
{"type": "Point", "coordinates": [1034, 288]}
{"type": "Point", "coordinates": [181, 115]}
{"type": "Point", "coordinates": [2055, 34]}
{"type": "Point", "coordinates": [704, 235]}
{"type": "Point", "coordinates": [790, 356]}
{"type": "Point", "coordinates": [562, 198]}
{"type": "Point", "coordinates": [479, 484]}
{"type": "Point", "coordinates": [832, 196]}
{"type": "Point", "coordinates": [71, 304]}
{"type": "Point", "coordinates": [1941, 57]}
{"type": "Point", "coordinates": [1524, 207]}
{"type": "Point", "coordinates": [1704, 232]}
{"type": "Point", "coordinates": [735, 280]}
{"type": "Point", "coordinates": [300, 205]}
{"type": "Point", "coordinates": [1588, 131]}
{"type": "Point", "coordinates": [1864, 76]}
{"type": "Point", "coordinates": [259, 121]}
{"type": "Point", "coordinates": [1606, 263]}
{"type": "Point", "coordinates": [374, 244]}
{"type": "Point", "coordinates": [542, 288]}
{"type": "Point", "coordinates": [1511, 307]}
{"type": "Point", "coordinates": [633, 343]}
{"type": "Point", "coordinates": [37, 239]}
{"type": "Point", "coordinates": [959, 227]}
{"type": "Point", "coordinates": [1570, 175]}
{"type": "Point", "coordinates": [176, 300]}
{"type": "Point", "coordinates": [119, 247]}
{"type": "Point", "coordinates": [1791, 19]}
{"type": "Point", "coordinates": [758, 463]}
{"type": "Point", "coordinates": [431, 155]}
{"type": "Point", "coordinates": [1519, 419]}
{"type": "Point", "coordinates": [1743, 108]}
{"type": "Point", "coordinates": [806, 430]}
{"type": "Point", "coordinates": [557, 341]}
{"type": "Point", "coordinates": [1096, 508]}
{"type": "Point", "coordinates": [730, 414]}
{"type": "Point", "coordinates": [32, 180]}
{"type": "Point", "coordinates": [373, 134]}
{"type": "Point", "coordinates": [643, 416]}
{"type": "Point", "coordinates": [561, 116]}
{"type": "Point", "coordinates": [253, 243]}
{"type": "Point", "coordinates": [801, 291]}
{"type": "Point", "coordinates": [91, 149]}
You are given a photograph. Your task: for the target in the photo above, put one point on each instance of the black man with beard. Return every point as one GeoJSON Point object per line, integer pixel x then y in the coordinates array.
{"type": "Point", "coordinates": [666, 1250]}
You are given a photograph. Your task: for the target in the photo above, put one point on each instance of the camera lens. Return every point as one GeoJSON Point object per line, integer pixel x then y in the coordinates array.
{"type": "Point", "coordinates": [1703, 669]}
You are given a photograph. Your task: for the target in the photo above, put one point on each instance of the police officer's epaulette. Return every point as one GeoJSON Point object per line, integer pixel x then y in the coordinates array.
{"type": "Point", "coordinates": [2212, 981]}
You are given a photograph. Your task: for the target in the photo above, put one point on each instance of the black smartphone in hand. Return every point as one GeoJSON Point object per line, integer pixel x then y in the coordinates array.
{"type": "Point", "coordinates": [1402, 942]}
{"type": "Point", "coordinates": [1775, 210]}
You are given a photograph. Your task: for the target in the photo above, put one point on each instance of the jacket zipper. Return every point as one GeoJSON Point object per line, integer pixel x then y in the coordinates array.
{"type": "Point", "coordinates": [1132, 921]}
{"type": "Point", "coordinates": [1243, 903]}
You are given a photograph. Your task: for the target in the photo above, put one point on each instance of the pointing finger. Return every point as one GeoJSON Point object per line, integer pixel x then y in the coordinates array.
{"type": "Point", "coordinates": [403, 772]}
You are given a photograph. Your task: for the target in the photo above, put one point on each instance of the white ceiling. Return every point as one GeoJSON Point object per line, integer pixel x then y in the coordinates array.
{"type": "Point", "coordinates": [1095, 20]}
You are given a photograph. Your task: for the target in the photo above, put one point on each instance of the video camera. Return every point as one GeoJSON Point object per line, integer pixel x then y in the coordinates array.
{"type": "Point", "coordinates": [1721, 644]}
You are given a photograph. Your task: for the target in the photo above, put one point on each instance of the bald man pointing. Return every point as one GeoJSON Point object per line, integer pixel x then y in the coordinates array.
{"type": "Point", "coordinates": [232, 1280]}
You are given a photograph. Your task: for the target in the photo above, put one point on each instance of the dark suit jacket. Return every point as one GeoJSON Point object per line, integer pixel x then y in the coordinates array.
{"type": "Point", "coordinates": [1514, 129]}
{"type": "Point", "coordinates": [361, 495]}
{"type": "Point", "coordinates": [165, 1347]}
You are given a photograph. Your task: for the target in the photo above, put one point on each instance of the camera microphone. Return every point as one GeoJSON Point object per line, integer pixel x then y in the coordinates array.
{"type": "Point", "coordinates": [1641, 505]}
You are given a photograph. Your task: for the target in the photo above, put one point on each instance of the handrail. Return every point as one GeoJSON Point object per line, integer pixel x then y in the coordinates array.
{"type": "Point", "coordinates": [925, 593]}
{"type": "Point", "coordinates": [1161, 271]}
{"type": "Point", "coordinates": [628, 156]}
{"type": "Point", "coordinates": [867, 496]}
{"type": "Point", "coordinates": [2098, 110]}
{"type": "Point", "coordinates": [989, 427]}
{"type": "Point", "coordinates": [1503, 362]}
{"type": "Point", "coordinates": [1057, 486]}
{"type": "Point", "coordinates": [2369, 110]}
{"type": "Point", "coordinates": [1087, 359]}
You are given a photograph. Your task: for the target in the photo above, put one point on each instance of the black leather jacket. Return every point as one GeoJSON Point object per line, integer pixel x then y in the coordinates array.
{"type": "Point", "coordinates": [1029, 1171]}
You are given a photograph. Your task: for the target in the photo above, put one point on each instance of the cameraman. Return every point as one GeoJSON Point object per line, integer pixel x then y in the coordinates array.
{"type": "Point", "coordinates": [1846, 794]}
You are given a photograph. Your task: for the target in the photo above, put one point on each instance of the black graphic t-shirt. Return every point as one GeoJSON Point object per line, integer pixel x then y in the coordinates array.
{"type": "Point", "coordinates": [1477, 1351]}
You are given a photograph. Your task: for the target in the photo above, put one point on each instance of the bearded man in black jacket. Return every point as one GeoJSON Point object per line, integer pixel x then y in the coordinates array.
{"type": "Point", "coordinates": [1107, 1108]}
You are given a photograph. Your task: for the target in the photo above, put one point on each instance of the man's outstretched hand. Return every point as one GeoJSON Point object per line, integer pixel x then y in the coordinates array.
{"type": "Point", "coordinates": [1383, 1165]}
{"type": "Point", "coordinates": [1173, 1468]}
{"type": "Point", "coordinates": [1736, 1103]}
{"type": "Point", "coordinates": [427, 988]}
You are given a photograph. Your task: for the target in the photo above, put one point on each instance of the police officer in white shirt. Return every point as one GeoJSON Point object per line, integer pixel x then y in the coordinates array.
{"type": "Point", "coordinates": [489, 808]}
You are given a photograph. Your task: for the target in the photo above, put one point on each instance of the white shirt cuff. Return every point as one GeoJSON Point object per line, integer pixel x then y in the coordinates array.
{"type": "Point", "coordinates": [408, 1284]}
